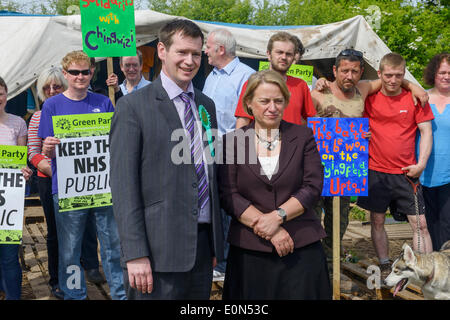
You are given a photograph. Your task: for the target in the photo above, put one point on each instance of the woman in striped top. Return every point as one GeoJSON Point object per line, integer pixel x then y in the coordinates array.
{"type": "Point", "coordinates": [51, 82]}
{"type": "Point", "coordinates": [13, 131]}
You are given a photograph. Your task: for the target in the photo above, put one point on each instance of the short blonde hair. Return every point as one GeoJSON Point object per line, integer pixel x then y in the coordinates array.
{"type": "Point", "coordinates": [392, 59]}
{"type": "Point", "coordinates": [46, 77]}
{"type": "Point", "coordinates": [260, 77]}
{"type": "Point", "coordinates": [75, 57]}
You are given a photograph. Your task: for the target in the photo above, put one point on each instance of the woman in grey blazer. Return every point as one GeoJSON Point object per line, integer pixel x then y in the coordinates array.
{"type": "Point", "coordinates": [270, 181]}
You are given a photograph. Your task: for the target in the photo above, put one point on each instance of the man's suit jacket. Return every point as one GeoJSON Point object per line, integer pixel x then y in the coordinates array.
{"type": "Point", "coordinates": [155, 200]}
{"type": "Point", "coordinates": [299, 175]}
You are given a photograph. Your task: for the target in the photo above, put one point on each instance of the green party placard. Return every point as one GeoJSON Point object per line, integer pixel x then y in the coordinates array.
{"type": "Point", "coordinates": [13, 157]}
{"type": "Point", "coordinates": [108, 28]}
{"type": "Point", "coordinates": [82, 125]}
{"type": "Point", "coordinates": [82, 158]}
{"type": "Point", "coordinates": [12, 193]}
{"type": "Point", "coordinates": [296, 70]}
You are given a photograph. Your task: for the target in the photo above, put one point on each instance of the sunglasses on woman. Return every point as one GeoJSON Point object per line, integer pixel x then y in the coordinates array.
{"type": "Point", "coordinates": [55, 87]}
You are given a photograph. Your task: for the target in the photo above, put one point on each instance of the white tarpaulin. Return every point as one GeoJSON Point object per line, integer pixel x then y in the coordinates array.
{"type": "Point", "coordinates": [31, 44]}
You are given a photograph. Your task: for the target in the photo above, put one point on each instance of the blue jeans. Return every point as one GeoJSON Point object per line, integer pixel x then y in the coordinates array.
{"type": "Point", "coordinates": [10, 271]}
{"type": "Point", "coordinates": [71, 226]}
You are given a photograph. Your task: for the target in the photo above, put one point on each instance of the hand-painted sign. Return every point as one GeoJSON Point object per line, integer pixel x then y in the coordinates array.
{"type": "Point", "coordinates": [83, 160]}
{"type": "Point", "coordinates": [108, 28]}
{"type": "Point", "coordinates": [344, 153]}
{"type": "Point", "coordinates": [296, 70]}
{"type": "Point", "coordinates": [12, 193]}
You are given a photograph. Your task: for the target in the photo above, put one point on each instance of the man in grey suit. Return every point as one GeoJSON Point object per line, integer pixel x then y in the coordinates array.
{"type": "Point", "coordinates": [168, 212]}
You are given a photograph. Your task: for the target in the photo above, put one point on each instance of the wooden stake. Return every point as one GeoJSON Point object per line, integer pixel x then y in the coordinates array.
{"type": "Point", "coordinates": [336, 249]}
{"type": "Point", "coordinates": [110, 68]}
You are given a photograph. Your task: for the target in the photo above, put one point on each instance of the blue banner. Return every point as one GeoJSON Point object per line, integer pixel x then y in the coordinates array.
{"type": "Point", "coordinates": [344, 153]}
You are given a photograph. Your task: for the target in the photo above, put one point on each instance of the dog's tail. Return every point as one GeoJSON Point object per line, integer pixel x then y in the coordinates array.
{"type": "Point", "coordinates": [445, 246]}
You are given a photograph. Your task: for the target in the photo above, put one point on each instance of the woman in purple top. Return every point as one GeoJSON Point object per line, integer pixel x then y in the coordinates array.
{"type": "Point", "coordinates": [13, 131]}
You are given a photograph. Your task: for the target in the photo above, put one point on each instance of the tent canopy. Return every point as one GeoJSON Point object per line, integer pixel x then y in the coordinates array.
{"type": "Point", "coordinates": [33, 43]}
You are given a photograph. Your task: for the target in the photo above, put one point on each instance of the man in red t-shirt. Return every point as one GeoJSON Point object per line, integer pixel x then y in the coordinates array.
{"type": "Point", "coordinates": [281, 51]}
{"type": "Point", "coordinates": [393, 169]}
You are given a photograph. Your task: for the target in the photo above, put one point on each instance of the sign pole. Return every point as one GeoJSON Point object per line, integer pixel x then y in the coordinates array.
{"type": "Point", "coordinates": [110, 88]}
{"type": "Point", "coordinates": [336, 249]}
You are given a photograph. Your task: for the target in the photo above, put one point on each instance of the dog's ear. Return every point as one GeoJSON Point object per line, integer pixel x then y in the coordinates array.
{"type": "Point", "coordinates": [408, 255]}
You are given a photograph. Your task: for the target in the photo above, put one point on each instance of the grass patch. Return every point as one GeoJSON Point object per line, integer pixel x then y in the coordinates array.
{"type": "Point", "coordinates": [359, 214]}
{"type": "Point", "coordinates": [356, 213]}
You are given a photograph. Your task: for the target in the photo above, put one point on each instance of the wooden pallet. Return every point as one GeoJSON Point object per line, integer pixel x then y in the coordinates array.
{"type": "Point", "coordinates": [36, 267]}
{"type": "Point", "coordinates": [356, 230]}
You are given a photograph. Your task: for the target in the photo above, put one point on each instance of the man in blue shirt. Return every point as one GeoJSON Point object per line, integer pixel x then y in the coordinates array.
{"type": "Point", "coordinates": [132, 70]}
{"type": "Point", "coordinates": [223, 86]}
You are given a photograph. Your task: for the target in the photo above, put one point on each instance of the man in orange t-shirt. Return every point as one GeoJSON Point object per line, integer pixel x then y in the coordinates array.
{"type": "Point", "coordinates": [393, 169]}
{"type": "Point", "coordinates": [281, 51]}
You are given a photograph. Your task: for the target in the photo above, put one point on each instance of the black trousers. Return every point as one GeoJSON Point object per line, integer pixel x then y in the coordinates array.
{"type": "Point", "coordinates": [192, 285]}
{"type": "Point", "coordinates": [254, 275]}
{"type": "Point", "coordinates": [45, 194]}
{"type": "Point", "coordinates": [437, 213]}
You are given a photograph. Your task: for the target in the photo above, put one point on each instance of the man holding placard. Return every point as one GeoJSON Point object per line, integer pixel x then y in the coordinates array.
{"type": "Point", "coordinates": [132, 70]}
{"type": "Point", "coordinates": [71, 224]}
{"type": "Point", "coordinates": [343, 99]}
{"type": "Point", "coordinates": [281, 51]}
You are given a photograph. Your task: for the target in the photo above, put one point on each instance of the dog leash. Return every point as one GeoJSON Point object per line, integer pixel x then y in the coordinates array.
{"type": "Point", "coordinates": [416, 204]}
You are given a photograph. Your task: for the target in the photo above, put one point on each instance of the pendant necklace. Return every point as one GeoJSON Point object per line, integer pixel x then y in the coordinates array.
{"type": "Point", "coordinates": [269, 145]}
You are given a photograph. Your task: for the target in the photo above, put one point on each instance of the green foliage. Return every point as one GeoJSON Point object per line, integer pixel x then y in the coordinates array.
{"type": "Point", "coordinates": [10, 6]}
{"type": "Point", "coordinates": [416, 29]}
{"type": "Point", "coordinates": [264, 12]}
{"type": "Point", "coordinates": [233, 11]}
{"type": "Point", "coordinates": [416, 32]}
{"type": "Point", "coordinates": [356, 213]}
{"type": "Point", "coordinates": [63, 7]}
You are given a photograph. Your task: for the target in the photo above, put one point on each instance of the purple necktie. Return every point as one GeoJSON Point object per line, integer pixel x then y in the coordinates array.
{"type": "Point", "coordinates": [196, 151]}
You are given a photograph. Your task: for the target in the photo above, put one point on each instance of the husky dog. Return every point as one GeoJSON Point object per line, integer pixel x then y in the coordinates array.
{"type": "Point", "coordinates": [429, 271]}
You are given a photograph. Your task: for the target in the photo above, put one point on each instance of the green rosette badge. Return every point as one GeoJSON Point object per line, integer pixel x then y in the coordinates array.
{"type": "Point", "coordinates": [206, 123]}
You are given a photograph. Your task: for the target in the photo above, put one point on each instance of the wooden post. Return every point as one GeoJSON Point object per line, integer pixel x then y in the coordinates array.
{"type": "Point", "coordinates": [336, 249]}
{"type": "Point", "coordinates": [110, 69]}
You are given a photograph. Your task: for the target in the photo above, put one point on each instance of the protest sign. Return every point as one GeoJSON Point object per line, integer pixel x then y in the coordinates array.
{"type": "Point", "coordinates": [296, 70]}
{"type": "Point", "coordinates": [12, 193]}
{"type": "Point", "coordinates": [344, 154]}
{"type": "Point", "coordinates": [108, 28]}
{"type": "Point", "coordinates": [82, 158]}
